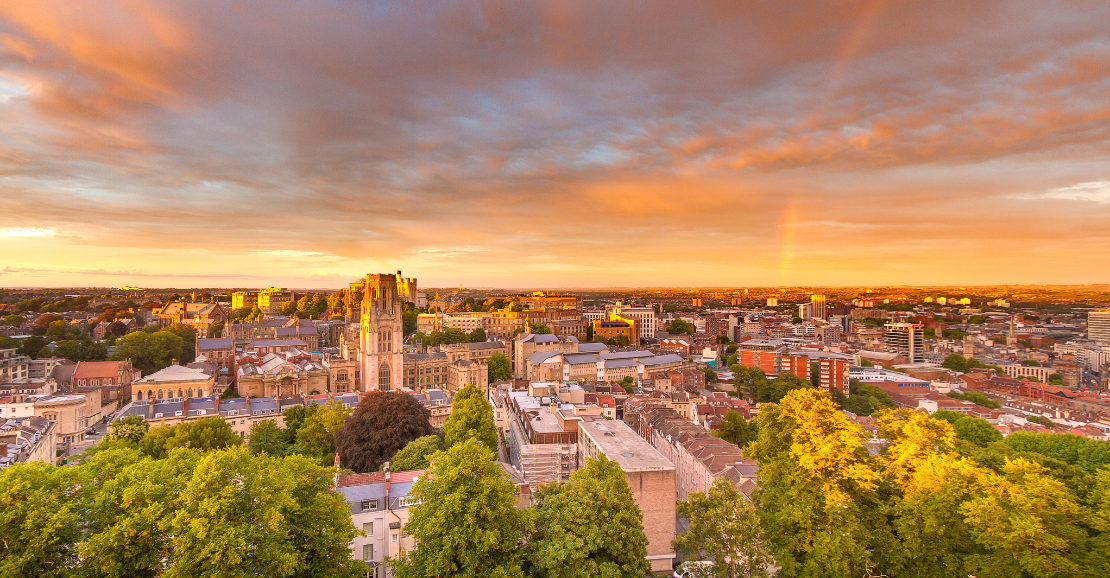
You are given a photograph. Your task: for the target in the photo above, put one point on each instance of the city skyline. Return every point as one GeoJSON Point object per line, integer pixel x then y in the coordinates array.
{"type": "Point", "coordinates": [554, 144]}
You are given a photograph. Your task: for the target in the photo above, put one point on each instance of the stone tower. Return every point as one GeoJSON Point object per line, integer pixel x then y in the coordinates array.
{"type": "Point", "coordinates": [381, 337]}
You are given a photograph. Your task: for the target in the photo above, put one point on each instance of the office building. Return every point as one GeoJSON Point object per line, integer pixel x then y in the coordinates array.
{"type": "Point", "coordinates": [1098, 326]}
{"type": "Point", "coordinates": [907, 340]}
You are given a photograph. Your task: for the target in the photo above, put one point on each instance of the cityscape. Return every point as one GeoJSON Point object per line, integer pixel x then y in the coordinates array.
{"type": "Point", "coordinates": [554, 289]}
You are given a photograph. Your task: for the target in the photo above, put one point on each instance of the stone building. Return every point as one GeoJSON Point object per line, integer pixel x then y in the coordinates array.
{"type": "Point", "coordinates": [381, 337]}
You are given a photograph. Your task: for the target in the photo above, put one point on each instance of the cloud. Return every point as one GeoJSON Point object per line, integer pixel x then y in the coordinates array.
{"type": "Point", "coordinates": [1094, 191]}
{"type": "Point", "coordinates": [27, 232]}
{"type": "Point", "coordinates": [406, 130]}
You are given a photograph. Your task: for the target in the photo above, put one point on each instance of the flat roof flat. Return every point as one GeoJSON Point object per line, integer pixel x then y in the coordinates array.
{"type": "Point", "coordinates": [623, 445]}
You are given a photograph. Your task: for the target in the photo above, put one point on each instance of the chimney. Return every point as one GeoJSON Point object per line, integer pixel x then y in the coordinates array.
{"type": "Point", "coordinates": [385, 468]}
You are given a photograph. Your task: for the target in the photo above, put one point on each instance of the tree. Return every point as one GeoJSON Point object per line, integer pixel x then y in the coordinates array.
{"type": "Point", "coordinates": [414, 456]}
{"type": "Point", "coordinates": [266, 437]}
{"type": "Point", "coordinates": [499, 368]}
{"type": "Point", "coordinates": [216, 330]}
{"type": "Point", "coordinates": [724, 527]}
{"type": "Point", "coordinates": [1030, 363]}
{"type": "Point", "coordinates": [1027, 524]}
{"type": "Point", "coordinates": [247, 515]}
{"type": "Point", "coordinates": [589, 526]}
{"type": "Point", "coordinates": [814, 472]}
{"type": "Point", "coordinates": [131, 500]}
{"type": "Point", "coordinates": [315, 435]}
{"type": "Point", "coordinates": [710, 375]}
{"type": "Point", "coordinates": [477, 336]}
{"type": "Point", "coordinates": [38, 524]}
{"type": "Point", "coordinates": [471, 417]}
{"type": "Point", "coordinates": [465, 524]}
{"type": "Point", "coordinates": [975, 397]}
{"type": "Point", "coordinates": [735, 429]}
{"type": "Point", "coordinates": [32, 346]}
{"type": "Point", "coordinates": [13, 320]}
{"type": "Point", "coordinates": [150, 352]}
{"type": "Point", "coordinates": [131, 429]}
{"type": "Point", "coordinates": [383, 423]}
{"type": "Point", "coordinates": [955, 362]}
{"type": "Point", "coordinates": [977, 431]}
{"type": "Point", "coordinates": [540, 328]}
{"type": "Point", "coordinates": [1078, 451]}
{"type": "Point", "coordinates": [205, 434]}
{"type": "Point", "coordinates": [289, 309]}
{"type": "Point", "coordinates": [679, 326]}
{"type": "Point", "coordinates": [188, 335]}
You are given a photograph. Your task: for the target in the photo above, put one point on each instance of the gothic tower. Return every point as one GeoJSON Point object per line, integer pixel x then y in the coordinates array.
{"type": "Point", "coordinates": [381, 337]}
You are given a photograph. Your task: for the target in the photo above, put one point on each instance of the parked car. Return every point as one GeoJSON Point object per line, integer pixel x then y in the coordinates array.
{"type": "Point", "coordinates": [694, 569]}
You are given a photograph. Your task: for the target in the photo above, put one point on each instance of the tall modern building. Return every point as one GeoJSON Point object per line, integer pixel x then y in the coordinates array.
{"type": "Point", "coordinates": [644, 315]}
{"type": "Point", "coordinates": [818, 302]}
{"type": "Point", "coordinates": [1098, 326]}
{"type": "Point", "coordinates": [906, 339]}
{"type": "Point", "coordinates": [381, 337]}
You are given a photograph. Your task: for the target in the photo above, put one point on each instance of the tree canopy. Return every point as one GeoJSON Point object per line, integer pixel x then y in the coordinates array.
{"type": "Point", "coordinates": [499, 367]}
{"type": "Point", "coordinates": [725, 529]}
{"type": "Point", "coordinates": [465, 523]}
{"type": "Point", "coordinates": [588, 526]}
{"type": "Point", "coordinates": [471, 417]}
{"type": "Point", "coordinates": [221, 513]}
{"type": "Point", "coordinates": [414, 456]}
{"type": "Point", "coordinates": [382, 424]}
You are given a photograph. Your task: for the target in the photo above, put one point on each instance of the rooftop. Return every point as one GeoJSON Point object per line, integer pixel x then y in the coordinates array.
{"type": "Point", "coordinates": [619, 443]}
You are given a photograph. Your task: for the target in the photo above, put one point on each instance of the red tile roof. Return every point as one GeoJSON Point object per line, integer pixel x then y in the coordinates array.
{"type": "Point", "coordinates": [379, 477]}
{"type": "Point", "coordinates": [96, 369]}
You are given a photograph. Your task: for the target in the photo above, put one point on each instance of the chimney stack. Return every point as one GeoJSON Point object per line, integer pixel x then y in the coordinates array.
{"type": "Point", "coordinates": [385, 468]}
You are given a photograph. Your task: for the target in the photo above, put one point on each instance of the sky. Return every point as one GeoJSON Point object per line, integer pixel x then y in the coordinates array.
{"type": "Point", "coordinates": [221, 143]}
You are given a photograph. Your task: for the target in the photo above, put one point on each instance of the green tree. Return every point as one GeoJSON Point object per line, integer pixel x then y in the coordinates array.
{"type": "Point", "coordinates": [266, 437]}
{"type": "Point", "coordinates": [150, 352]}
{"type": "Point", "coordinates": [289, 309]}
{"type": "Point", "coordinates": [382, 424]}
{"type": "Point", "coordinates": [471, 417]}
{"type": "Point", "coordinates": [131, 429]}
{"type": "Point", "coordinates": [130, 501]}
{"type": "Point", "coordinates": [977, 431]}
{"type": "Point", "coordinates": [540, 328]}
{"type": "Point", "coordinates": [32, 347]}
{"type": "Point", "coordinates": [499, 368]}
{"type": "Point", "coordinates": [414, 456]}
{"type": "Point", "coordinates": [477, 336]}
{"type": "Point", "coordinates": [814, 473]}
{"type": "Point", "coordinates": [13, 320]}
{"type": "Point", "coordinates": [1088, 454]}
{"type": "Point", "coordinates": [1026, 523]}
{"type": "Point", "coordinates": [735, 429]}
{"type": "Point", "coordinates": [465, 524]}
{"type": "Point", "coordinates": [216, 330]}
{"type": "Point", "coordinates": [724, 528]}
{"type": "Point", "coordinates": [247, 515]}
{"type": "Point", "coordinates": [38, 524]}
{"type": "Point", "coordinates": [206, 434]}
{"type": "Point", "coordinates": [955, 362]}
{"type": "Point", "coordinates": [188, 335]}
{"type": "Point", "coordinates": [975, 397]}
{"type": "Point", "coordinates": [679, 326]}
{"type": "Point", "coordinates": [589, 526]}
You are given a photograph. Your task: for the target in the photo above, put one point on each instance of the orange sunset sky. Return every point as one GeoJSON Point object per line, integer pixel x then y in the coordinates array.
{"type": "Point", "coordinates": [554, 143]}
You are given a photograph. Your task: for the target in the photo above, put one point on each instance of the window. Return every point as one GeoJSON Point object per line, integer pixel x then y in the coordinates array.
{"type": "Point", "coordinates": [383, 377]}
{"type": "Point", "coordinates": [368, 528]}
{"type": "Point", "coordinates": [369, 505]}
{"type": "Point", "coordinates": [393, 538]}
{"type": "Point", "coordinates": [368, 552]}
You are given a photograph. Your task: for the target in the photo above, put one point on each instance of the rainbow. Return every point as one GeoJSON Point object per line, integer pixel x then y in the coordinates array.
{"type": "Point", "coordinates": [854, 39]}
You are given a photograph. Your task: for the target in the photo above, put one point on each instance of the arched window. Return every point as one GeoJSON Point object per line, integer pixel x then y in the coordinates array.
{"type": "Point", "coordinates": [139, 396]}
{"type": "Point", "coordinates": [180, 392]}
{"type": "Point", "coordinates": [150, 394]}
{"type": "Point", "coordinates": [190, 392]}
{"type": "Point", "coordinates": [161, 393]}
{"type": "Point", "coordinates": [383, 377]}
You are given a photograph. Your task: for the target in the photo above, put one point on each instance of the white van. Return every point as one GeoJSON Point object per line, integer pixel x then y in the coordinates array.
{"type": "Point", "coordinates": [694, 569]}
